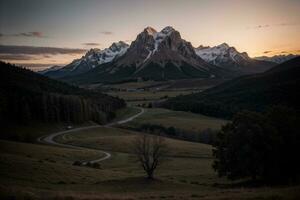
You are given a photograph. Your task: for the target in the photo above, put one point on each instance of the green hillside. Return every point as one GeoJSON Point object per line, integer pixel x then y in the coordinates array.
{"type": "Point", "coordinates": [278, 85]}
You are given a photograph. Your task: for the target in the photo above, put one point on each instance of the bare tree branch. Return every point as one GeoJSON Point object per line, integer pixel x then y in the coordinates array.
{"type": "Point", "coordinates": [150, 151]}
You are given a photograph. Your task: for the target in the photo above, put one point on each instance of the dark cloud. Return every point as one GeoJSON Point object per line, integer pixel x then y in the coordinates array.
{"type": "Point", "coordinates": [107, 32]}
{"type": "Point", "coordinates": [266, 52]}
{"type": "Point", "coordinates": [32, 50]}
{"type": "Point", "coordinates": [31, 34]}
{"type": "Point", "coordinates": [16, 57]}
{"type": "Point", "coordinates": [91, 44]}
{"type": "Point", "coordinates": [284, 52]}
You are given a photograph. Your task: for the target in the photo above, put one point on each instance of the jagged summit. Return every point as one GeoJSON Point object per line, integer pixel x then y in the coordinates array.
{"type": "Point", "coordinates": [167, 30]}
{"type": "Point", "coordinates": [159, 56]}
{"type": "Point", "coordinates": [228, 57]}
{"type": "Point", "coordinates": [160, 48]}
{"type": "Point", "coordinates": [150, 30]}
{"type": "Point", "coordinates": [224, 45]}
{"type": "Point", "coordinates": [202, 47]}
{"type": "Point", "coordinates": [90, 60]}
{"type": "Point", "coordinates": [117, 46]}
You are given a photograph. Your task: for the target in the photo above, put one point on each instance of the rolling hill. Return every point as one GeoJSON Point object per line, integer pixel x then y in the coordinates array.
{"type": "Point", "coordinates": [277, 86]}
{"type": "Point", "coordinates": [27, 97]}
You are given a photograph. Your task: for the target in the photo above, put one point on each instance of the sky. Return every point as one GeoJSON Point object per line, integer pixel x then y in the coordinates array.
{"type": "Point", "coordinates": [40, 33]}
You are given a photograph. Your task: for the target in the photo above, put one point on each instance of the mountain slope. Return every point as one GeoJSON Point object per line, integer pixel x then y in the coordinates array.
{"type": "Point", "coordinates": [90, 60]}
{"type": "Point", "coordinates": [26, 97]}
{"type": "Point", "coordinates": [277, 58]}
{"type": "Point", "coordinates": [278, 85]}
{"type": "Point", "coordinates": [229, 58]}
{"type": "Point", "coordinates": [154, 55]}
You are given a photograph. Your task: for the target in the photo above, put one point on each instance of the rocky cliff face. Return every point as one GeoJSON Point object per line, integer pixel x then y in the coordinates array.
{"type": "Point", "coordinates": [161, 49]}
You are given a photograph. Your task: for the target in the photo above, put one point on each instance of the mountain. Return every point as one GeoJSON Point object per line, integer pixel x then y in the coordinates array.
{"type": "Point", "coordinates": [90, 60]}
{"type": "Point", "coordinates": [228, 57]}
{"type": "Point", "coordinates": [153, 55]}
{"type": "Point", "coordinates": [279, 85]}
{"type": "Point", "coordinates": [277, 58]}
{"type": "Point", "coordinates": [53, 68]}
{"type": "Point", "coordinates": [27, 97]}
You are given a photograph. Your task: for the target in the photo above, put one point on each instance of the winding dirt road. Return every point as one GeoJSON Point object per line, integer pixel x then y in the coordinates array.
{"type": "Point", "coordinates": [49, 139]}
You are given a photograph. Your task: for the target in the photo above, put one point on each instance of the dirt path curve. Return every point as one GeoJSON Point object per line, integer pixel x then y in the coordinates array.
{"type": "Point", "coordinates": [49, 139]}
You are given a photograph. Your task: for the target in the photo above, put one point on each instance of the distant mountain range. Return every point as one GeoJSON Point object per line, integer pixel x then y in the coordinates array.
{"type": "Point", "coordinates": [277, 58]}
{"type": "Point", "coordinates": [156, 55]}
{"type": "Point", "coordinates": [90, 60]}
{"type": "Point", "coordinates": [277, 86]}
{"type": "Point", "coordinates": [228, 57]}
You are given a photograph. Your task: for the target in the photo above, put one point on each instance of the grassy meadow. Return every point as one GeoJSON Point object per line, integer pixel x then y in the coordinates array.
{"type": "Point", "coordinates": [178, 119]}
{"type": "Point", "coordinates": [39, 171]}
{"type": "Point", "coordinates": [33, 171]}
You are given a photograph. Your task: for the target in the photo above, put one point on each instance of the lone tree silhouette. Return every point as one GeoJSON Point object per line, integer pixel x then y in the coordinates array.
{"type": "Point", "coordinates": [150, 151]}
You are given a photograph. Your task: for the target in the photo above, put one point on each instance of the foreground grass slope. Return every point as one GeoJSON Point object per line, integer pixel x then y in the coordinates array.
{"type": "Point", "coordinates": [38, 171]}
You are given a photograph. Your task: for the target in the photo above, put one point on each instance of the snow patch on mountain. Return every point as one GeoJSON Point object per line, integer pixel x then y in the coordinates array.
{"type": "Point", "coordinates": [210, 54]}
{"type": "Point", "coordinates": [95, 57]}
{"type": "Point", "coordinates": [221, 54]}
{"type": "Point", "coordinates": [158, 38]}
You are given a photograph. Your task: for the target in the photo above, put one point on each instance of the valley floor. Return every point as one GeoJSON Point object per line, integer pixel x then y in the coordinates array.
{"type": "Point", "coordinates": [34, 171]}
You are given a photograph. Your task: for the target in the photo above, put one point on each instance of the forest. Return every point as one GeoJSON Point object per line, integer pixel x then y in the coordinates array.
{"type": "Point", "coordinates": [26, 96]}
{"type": "Point", "coordinates": [277, 86]}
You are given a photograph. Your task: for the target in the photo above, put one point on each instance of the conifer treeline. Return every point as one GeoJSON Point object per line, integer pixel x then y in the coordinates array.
{"type": "Point", "coordinates": [27, 96]}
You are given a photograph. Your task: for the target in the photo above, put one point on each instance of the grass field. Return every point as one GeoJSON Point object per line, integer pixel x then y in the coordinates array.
{"type": "Point", "coordinates": [182, 120]}
{"type": "Point", "coordinates": [185, 84]}
{"type": "Point", "coordinates": [35, 171]}
{"type": "Point", "coordinates": [147, 95]}
{"type": "Point", "coordinates": [153, 91]}
{"type": "Point", "coordinates": [125, 113]}
{"type": "Point", "coordinates": [32, 171]}
{"type": "Point", "coordinates": [120, 140]}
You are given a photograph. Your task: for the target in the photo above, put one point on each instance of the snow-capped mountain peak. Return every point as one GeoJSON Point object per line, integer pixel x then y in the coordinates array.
{"type": "Point", "coordinates": [228, 57]}
{"type": "Point", "coordinates": [118, 46]}
{"type": "Point", "coordinates": [98, 57]}
{"type": "Point", "coordinates": [167, 30]}
{"type": "Point", "coordinates": [160, 48]}
{"type": "Point", "coordinates": [223, 46]}
{"type": "Point", "coordinates": [277, 58]}
{"type": "Point", "coordinates": [221, 53]}
{"type": "Point", "coordinates": [91, 59]}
